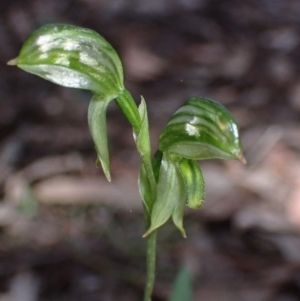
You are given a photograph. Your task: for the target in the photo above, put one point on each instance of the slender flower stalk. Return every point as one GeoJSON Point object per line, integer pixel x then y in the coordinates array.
{"type": "Point", "coordinates": [150, 258]}
{"type": "Point", "coordinates": [128, 106]}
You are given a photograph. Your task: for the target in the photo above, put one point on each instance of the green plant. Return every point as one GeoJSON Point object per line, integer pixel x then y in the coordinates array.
{"type": "Point", "coordinates": [201, 129]}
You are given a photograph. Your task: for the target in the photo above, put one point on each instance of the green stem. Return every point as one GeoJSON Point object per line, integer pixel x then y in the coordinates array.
{"type": "Point", "coordinates": [129, 108]}
{"type": "Point", "coordinates": [150, 257]}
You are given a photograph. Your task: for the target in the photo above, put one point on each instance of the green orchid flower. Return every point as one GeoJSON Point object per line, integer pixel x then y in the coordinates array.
{"type": "Point", "coordinates": [77, 57]}
{"type": "Point", "coordinates": [200, 129]}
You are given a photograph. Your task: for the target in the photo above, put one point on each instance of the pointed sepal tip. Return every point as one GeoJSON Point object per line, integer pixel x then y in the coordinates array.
{"type": "Point", "coordinates": [12, 62]}
{"type": "Point", "coordinates": [242, 158]}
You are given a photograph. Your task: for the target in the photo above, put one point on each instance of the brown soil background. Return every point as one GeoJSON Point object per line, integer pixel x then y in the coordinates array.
{"type": "Point", "coordinates": [67, 234]}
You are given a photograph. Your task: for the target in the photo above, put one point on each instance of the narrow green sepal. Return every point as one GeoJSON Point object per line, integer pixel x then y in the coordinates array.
{"type": "Point", "coordinates": [202, 129]}
{"type": "Point", "coordinates": [144, 184]}
{"type": "Point", "coordinates": [193, 182]}
{"type": "Point", "coordinates": [143, 145]}
{"type": "Point", "coordinates": [97, 125]}
{"type": "Point", "coordinates": [74, 57]}
{"type": "Point", "coordinates": [170, 192]}
{"type": "Point", "coordinates": [142, 138]}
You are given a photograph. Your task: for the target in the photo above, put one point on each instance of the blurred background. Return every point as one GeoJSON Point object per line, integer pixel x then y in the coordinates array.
{"type": "Point", "coordinates": [68, 234]}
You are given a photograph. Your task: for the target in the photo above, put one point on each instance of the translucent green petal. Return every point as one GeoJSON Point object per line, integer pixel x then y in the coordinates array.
{"type": "Point", "coordinates": [202, 129]}
{"type": "Point", "coordinates": [73, 57]}
{"type": "Point", "coordinates": [193, 182]}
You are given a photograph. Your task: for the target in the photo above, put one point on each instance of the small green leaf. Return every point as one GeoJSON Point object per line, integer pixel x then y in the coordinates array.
{"type": "Point", "coordinates": [72, 57]}
{"type": "Point", "coordinates": [97, 124]}
{"type": "Point", "coordinates": [28, 205]}
{"type": "Point", "coordinates": [193, 182]}
{"type": "Point", "coordinates": [182, 289]}
{"type": "Point", "coordinates": [170, 192]}
{"type": "Point", "coordinates": [202, 129]}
